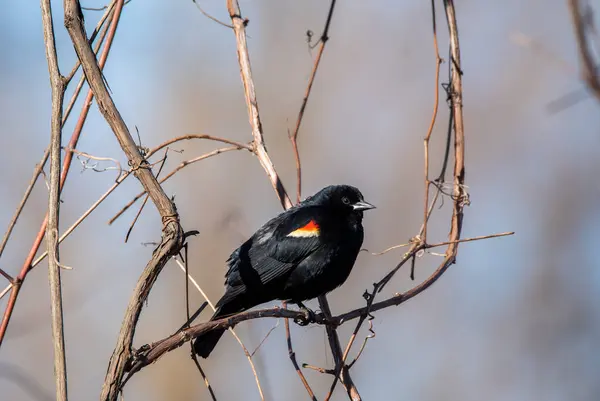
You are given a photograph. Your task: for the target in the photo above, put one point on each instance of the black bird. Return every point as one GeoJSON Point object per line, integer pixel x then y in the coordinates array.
{"type": "Point", "coordinates": [303, 253]}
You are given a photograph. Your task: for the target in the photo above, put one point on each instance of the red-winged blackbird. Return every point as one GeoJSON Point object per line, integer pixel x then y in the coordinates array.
{"type": "Point", "coordinates": [301, 254]}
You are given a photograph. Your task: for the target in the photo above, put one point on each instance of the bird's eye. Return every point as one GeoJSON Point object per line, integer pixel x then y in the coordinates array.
{"type": "Point", "coordinates": [345, 200]}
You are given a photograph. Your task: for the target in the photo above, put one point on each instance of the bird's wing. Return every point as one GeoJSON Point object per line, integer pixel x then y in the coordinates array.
{"type": "Point", "coordinates": [275, 249]}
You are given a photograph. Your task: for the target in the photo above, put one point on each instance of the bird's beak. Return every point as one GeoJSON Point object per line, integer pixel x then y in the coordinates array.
{"type": "Point", "coordinates": [362, 205]}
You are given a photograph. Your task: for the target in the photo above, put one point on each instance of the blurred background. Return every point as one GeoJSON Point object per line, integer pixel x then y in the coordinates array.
{"type": "Point", "coordinates": [517, 318]}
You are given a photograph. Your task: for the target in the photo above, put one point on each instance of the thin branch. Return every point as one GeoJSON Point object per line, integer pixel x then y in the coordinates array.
{"type": "Point", "coordinates": [172, 233]}
{"type": "Point", "coordinates": [58, 90]}
{"type": "Point", "coordinates": [204, 377]}
{"type": "Point", "coordinates": [428, 246]}
{"type": "Point", "coordinates": [318, 369]}
{"type": "Point", "coordinates": [438, 63]}
{"type": "Point", "coordinates": [588, 65]}
{"type": "Point", "coordinates": [7, 276]}
{"type": "Point", "coordinates": [65, 170]}
{"type": "Point", "coordinates": [233, 333]}
{"type": "Point", "coordinates": [171, 174]}
{"type": "Point", "coordinates": [265, 338]}
{"type": "Point", "coordinates": [40, 166]}
{"type": "Point", "coordinates": [239, 27]}
{"type": "Point", "coordinates": [292, 355]}
{"type": "Point", "coordinates": [139, 212]}
{"type": "Point", "coordinates": [294, 135]}
{"type": "Point", "coordinates": [459, 194]}
{"type": "Point", "coordinates": [207, 15]}
{"type": "Point", "coordinates": [188, 137]}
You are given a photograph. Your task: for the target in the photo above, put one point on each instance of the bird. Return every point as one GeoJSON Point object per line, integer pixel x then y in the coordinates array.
{"type": "Point", "coordinates": [301, 254]}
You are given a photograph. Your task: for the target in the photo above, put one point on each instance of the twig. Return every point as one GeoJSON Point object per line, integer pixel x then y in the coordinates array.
{"type": "Point", "coordinates": [65, 170]}
{"type": "Point", "coordinates": [265, 338]}
{"type": "Point", "coordinates": [428, 246]}
{"type": "Point", "coordinates": [239, 27]}
{"type": "Point", "coordinates": [171, 174]}
{"type": "Point", "coordinates": [104, 7]}
{"type": "Point", "coordinates": [58, 90]}
{"type": "Point", "coordinates": [318, 369]}
{"type": "Point", "coordinates": [207, 15]}
{"type": "Point", "coordinates": [588, 65]}
{"type": "Point", "coordinates": [233, 333]}
{"type": "Point", "coordinates": [40, 166]}
{"type": "Point", "coordinates": [292, 355]}
{"type": "Point", "coordinates": [204, 377]}
{"type": "Point", "coordinates": [135, 219]}
{"type": "Point", "coordinates": [459, 193]}
{"type": "Point", "coordinates": [294, 135]}
{"type": "Point", "coordinates": [438, 63]}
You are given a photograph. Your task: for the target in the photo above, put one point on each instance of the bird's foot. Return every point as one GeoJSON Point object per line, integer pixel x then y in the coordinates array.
{"type": "Point", "coordinates": [309, 316]}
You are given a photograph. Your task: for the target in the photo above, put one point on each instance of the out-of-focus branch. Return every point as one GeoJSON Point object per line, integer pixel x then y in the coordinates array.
{"type": "Point", "coordinates": [294, 135]}
{"type": "Point", "coordinates": [172, 238]}
{"type": "Point", "coordinates": [39, 167]}
{"type": "Point", "coordinates": [588, 65]}
{"type": "Point", "coordinates": [237, 146]}
{"type": "Point", "coordinates": [231, 330]}
{"type": "Point", "coordinates": [16, 285]}
{"type": "Point", "coordinates": [239, 27]}
{"type": "Point", "coordinates": [58, 90]}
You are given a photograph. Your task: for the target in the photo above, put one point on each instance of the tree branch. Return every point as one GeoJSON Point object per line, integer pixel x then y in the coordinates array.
{"type": "Point", "coordinates": [239, 27]}
{"type": "Point", "coordinates": [294, 136]}
{"type": "Point", "coordinates": [26, 267]}
{"type": "Point", "coordinates": [58, 90]}
{"type": "Point", "coordinates": [588, 64]}
{"type": "Point", "coordinates": [172, 237]}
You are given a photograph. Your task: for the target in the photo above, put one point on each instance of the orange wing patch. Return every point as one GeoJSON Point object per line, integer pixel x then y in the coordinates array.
{"type": "Point", "coordinates": [311, 229]}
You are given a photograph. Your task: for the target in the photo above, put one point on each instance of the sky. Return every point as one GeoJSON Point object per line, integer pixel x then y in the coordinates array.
{"type": "Point", "coordinates": [516, 318]}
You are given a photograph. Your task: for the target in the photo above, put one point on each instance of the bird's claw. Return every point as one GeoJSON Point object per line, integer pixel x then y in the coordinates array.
{"type": "Point", "coordinates": [309, 317]}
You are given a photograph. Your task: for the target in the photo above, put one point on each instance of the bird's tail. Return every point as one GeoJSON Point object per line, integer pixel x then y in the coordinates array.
{"type": "Point", "coordinates": [205, 343]}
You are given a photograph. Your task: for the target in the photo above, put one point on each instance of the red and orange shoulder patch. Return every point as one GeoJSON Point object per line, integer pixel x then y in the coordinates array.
{"type": "Point", "coordinates": [310, 229]}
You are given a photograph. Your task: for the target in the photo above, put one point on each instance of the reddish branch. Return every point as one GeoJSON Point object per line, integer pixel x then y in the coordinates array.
{"type": "Point", "coordinates": [16, 285]}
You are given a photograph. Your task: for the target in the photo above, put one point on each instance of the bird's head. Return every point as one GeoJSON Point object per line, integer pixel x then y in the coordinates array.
{"type": "Point", "coordinates": [342, 198]}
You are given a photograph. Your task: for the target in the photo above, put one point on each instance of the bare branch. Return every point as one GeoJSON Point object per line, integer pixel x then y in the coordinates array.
{"type": "Point", "coordinates": [438, 62]}
{"type": "Point", "coordinates": [58, 90]}
{"type": "Point", "coordinates": [294, 135]}
{"type": "Point", "coordinates": [16, 286]}
{"type": "Point", "coordinates": [588, 65]}
{"type": "Point", "coordinates": [207, 15]}
{"type": "Point", "coordinates": [172, 232]}
{"type": "Point", "coordinates": [39, 167]}
{"type": "Point", "coordinates": [173, 172]}
{"type": "Point", "coordinates": [292, 355]}
{"type": "Point", "coordinates": [339, 358]}
{"type": "Point", "coordinates": [231, 330]}
{"type": "Point", "coordinates": [239, 27]}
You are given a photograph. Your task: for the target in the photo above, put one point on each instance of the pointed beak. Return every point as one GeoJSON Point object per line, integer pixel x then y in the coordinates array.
{"type": "Point", "coordinates": [360, 206]}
